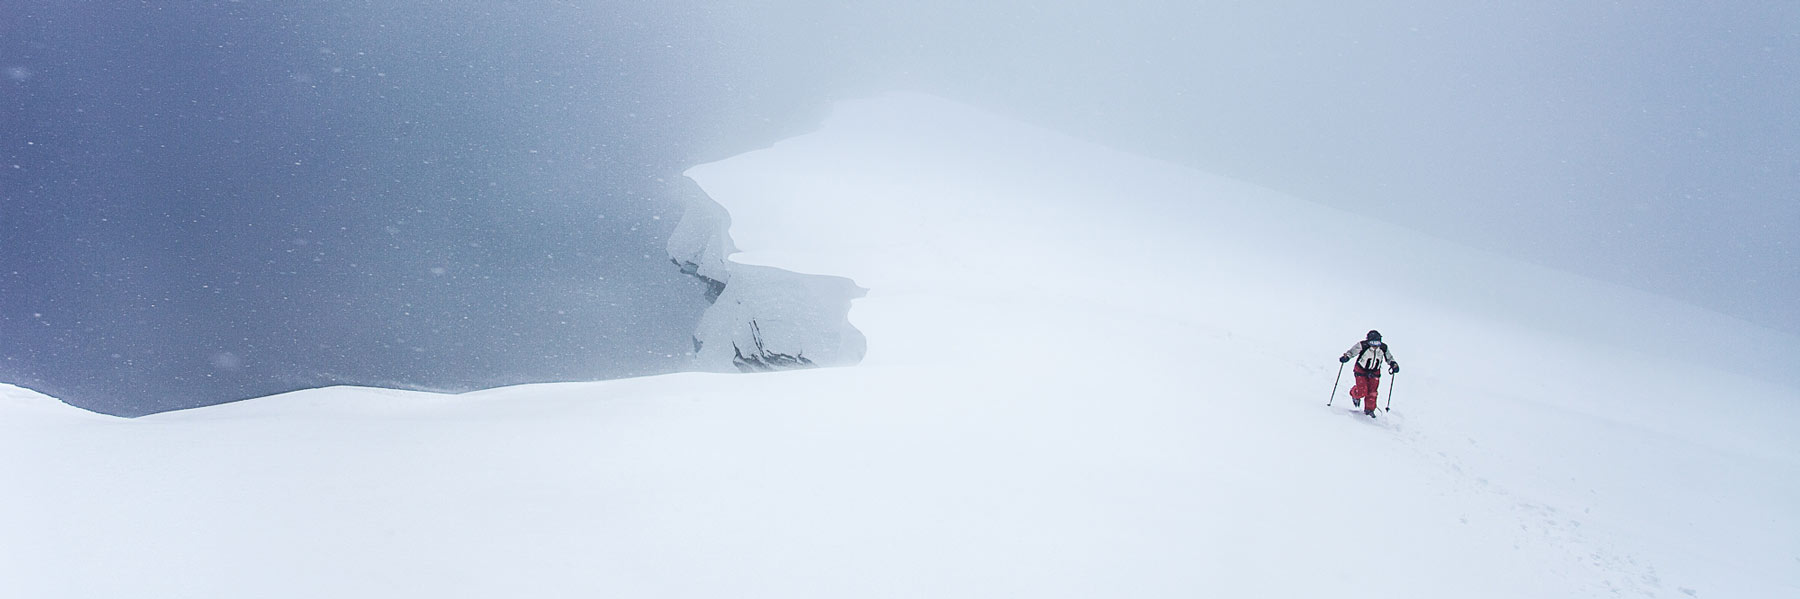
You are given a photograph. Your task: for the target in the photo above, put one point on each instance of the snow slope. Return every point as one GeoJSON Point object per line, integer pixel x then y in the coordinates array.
{"type": "Point", "coordinates": [1087, 375]}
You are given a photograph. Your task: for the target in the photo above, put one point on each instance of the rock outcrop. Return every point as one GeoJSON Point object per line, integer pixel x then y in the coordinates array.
{"type": "Point", "coordinates": [762, 318]}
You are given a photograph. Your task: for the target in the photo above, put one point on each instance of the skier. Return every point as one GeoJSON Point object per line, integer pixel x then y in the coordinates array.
{"type": "Point", "coordinates": [1369, 354]}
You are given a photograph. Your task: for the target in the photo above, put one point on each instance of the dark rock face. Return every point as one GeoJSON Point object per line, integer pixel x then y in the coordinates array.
{"type": "Point", "coordinates": [761, 358]}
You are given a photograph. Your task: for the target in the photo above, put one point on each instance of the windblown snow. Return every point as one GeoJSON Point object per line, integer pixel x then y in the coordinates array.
{"type": "Point", "coordinates": [1087, 374]}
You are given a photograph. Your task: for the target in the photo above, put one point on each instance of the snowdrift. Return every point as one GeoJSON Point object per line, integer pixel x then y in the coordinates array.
{"type": "Point", "coordinates": [1086, 375]}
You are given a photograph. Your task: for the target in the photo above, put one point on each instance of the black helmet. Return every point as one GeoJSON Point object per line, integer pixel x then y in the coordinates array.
{"type": "Point", "coordinates": [1374, 335]}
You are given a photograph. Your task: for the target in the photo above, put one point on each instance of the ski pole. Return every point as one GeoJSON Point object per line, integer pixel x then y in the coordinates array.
{"type": "Point", "coordinates": [1391, 385]}
{"type": "Point", "coordinates": [1334, 384]}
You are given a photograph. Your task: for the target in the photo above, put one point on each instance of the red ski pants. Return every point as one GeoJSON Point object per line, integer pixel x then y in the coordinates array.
{"type": "Point", "coordinates": [1368, 382]}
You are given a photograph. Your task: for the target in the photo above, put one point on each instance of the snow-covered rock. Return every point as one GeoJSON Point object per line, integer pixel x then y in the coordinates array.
{"type": "Point", "coordinates": [701, 241]}
{"type": "Point", "coordinates": [761, 318]}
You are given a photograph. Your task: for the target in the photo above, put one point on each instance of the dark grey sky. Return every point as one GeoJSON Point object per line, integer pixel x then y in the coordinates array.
{"type": "Point", "coordinates": [202, 201]}
{"type": "Point", "coordinates": [208, 201]}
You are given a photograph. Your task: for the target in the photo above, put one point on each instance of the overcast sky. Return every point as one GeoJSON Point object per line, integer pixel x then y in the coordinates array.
{"type": "Point", "coordinates": [202, 201]}
{"type": "Point", "coordinates": [1654, 145]}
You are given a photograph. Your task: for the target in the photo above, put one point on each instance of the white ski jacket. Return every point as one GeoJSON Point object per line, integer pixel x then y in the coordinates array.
{"type": "Point", "coordinates": [1369, 355]}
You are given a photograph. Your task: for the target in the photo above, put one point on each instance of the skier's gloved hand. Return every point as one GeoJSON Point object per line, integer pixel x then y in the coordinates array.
{"type": "Point", "coordinates": [1343, 359]}
{"type": "Point", "coordinates": [1393, 369]}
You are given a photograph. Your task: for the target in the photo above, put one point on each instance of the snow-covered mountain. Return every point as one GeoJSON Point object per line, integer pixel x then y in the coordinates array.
{"type": "Point", "coordinates": [1086, 374]}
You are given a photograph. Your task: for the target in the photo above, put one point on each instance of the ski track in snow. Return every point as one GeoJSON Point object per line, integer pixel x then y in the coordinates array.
{"type": "Point", "coordinates": [1593, 566]}
{"type": "Point", "coordinates": [1542, 528]}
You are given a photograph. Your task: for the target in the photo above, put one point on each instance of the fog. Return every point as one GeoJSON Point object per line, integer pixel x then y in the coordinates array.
{"type": "Point", "coordinates": [1649, 145]}
{"type": "Point", "coordinates": [206, 202]}
{"type": "Point", "coordinates": [202, 202]}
